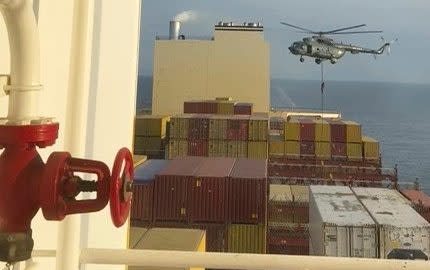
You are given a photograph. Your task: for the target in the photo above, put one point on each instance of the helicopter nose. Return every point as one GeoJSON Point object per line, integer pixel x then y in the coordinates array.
{"type": "Point", "coordinates": [291, 49]}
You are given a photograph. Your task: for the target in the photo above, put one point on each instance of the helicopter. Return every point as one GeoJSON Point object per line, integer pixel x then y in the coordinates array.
{"type": "Point", "coordinates": [323, 48]}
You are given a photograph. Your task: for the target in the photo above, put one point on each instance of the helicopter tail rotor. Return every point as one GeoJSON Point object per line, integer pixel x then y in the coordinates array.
{"type": "Point", "coordinates": [388, 44]}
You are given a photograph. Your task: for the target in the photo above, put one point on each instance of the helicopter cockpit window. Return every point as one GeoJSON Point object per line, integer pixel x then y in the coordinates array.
{"type": "Point", "coordinates": [309, 47]}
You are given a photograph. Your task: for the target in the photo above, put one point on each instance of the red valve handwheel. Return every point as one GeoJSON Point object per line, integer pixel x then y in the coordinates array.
{"type": "Point", "coordinates": [120, 189]}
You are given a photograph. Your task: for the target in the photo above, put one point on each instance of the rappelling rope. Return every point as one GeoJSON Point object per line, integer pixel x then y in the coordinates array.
{"type": "Point", "coordinates": [322, 111]}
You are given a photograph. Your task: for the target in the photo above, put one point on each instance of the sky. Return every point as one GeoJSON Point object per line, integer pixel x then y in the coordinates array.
{"type": "Point", "coordinates": [406, 20]}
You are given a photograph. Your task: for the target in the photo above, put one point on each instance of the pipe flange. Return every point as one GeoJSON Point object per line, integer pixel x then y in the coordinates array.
{"type": "Point", "coordinates": [41, 135]}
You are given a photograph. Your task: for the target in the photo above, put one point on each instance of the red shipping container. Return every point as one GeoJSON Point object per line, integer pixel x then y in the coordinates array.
{"type": "Point", "coordinates": [210, 107]}
{"type": "Point", "coordinates": [242, 108]}
{"type": "Point", "coordinates": [307, 149]}
{"type": "Point", "coordinates": [198, 148]}
{"type": "Point", "coordinates": [141, 208]}
{"type": "Point", "coordinates": [198, 127]}
{"type": "Point", "coordinates": [337, 131]}
{"type": "Point", "coordinates": [307, 130]}
{"type": "Point", "coordinates": [190, 107]}
{"type": "Point", "coordinates": [338, 149]}
{"type": "Point", "coordinates": [170, 191]}
{"type": "Point", "coordinates": [247, 191]}
{"type": "Point", "coordinates": [207, 191]}
{"type": "Point", "coordinates": [420, 200]}
{"type": "Point", "coordinates": [237, 128]}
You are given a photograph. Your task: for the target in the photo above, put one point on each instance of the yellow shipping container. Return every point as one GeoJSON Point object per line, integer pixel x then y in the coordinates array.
{"type": "Point", "coordinates": [354, 151]}
{"type": "Point", "coordinates": [300, 194]}
{"type": "Point", "coordinates": [243, 238]}
{"type": "Point", "coordinates": [292, 149]}
{"type": "Point", "coordinates": [177, 148]}
{"type": "Point", "coordinates": [150, 125]}
{"type": "Point", "coordinates": [370, 148]}
{"type": "Point", "coordinates": [179, 127]}
{"type": "Point", "coordinates": [292, 130]}
{"type": "Point", "coordinates": [322, 130]}
{"type": "Point", "coordinates": [353, 132]}
{"type": "Point", "coordinates": [258, 128]}
{"type": "Point", "coordinates": [218, 127]}
{"type": "Point", "coordinates": [276, 148]}
{"type": "Point", "coordinates": [323, 150]}
{"type": "Point", "coordinates": [257, 150]}
{"type": "Point", "coordinates": [168, 239]}
{"type": "Point", "coordinates": [237, 149]}
{"type": "Point", "coordinates": [218, 148]}
{"type": "Point", "coordinates": [225, 107]}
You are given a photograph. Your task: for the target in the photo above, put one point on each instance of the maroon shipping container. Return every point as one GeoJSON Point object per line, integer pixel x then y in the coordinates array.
{"type": "Point", "coordinates": [198, 148]}
{"type": "Point", "coordinates": [191, 107]}
{"type": "Point", "coordinates": [307, 130]}
{"type": "Point", "coordinates": [307, 149]}
{"type": "Point", "coordinates": [243, 108]}
{"type": "Point", "coordinates": [170, 191]}
{"type": "Point", "coordinates": [420, 200]}
{"type": "Point", "coordinates": [338, 149]}
{"type": "Point", "coordinates": [141, 208]}
{"type": "Point", "coordinates": [237, 128]}
{"type": "Point", "coordinates": [337, 131]}
{"type": "Point", "coordinates": [247, 191]}
{"type": "Point", "coordinates": [207, 191]}
{"type": "Point", "coordinates": [199, 127]}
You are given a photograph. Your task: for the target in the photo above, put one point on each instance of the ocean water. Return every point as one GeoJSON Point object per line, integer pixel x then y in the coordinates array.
{"type": "Point", "coordinates": [396, 114]}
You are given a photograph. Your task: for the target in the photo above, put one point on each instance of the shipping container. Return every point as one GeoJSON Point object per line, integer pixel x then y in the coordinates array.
{"type": "Point", "coordinates": [177, 148]}
{"type": "Point", "coordinates": [192, 107]}
{"type": "Point", "coordinates": [292, 149]}
{"type": "Point", "coordinates": [289, 238]}
{"type": "Point", "coordinates": [218, 127]}
{"type": "Point", "coordinates": [237, 128]}
{"type": "Point", "coordinates": [179, 126]}
{"type": "Point", "coordinates": [143, 145]}
{"type": "Point", "coordinates": [247, 191]}
{"type": "Point", "coordinates": [307, 129]}
{"type": "Point", "coordinates": [225, 107]}
{"type": "Point", "coordinates": [243, 108]}
{"type": "Point", "coordinates": [300, 204]}
{"type": "Point", "coordinates": [280, 204]}
{"type": "Point", "coordinates": [218, 148]}
{"type": "Point", "coordinates": [277, 123]}
{"type": "Point", "coordinates": [292, 130]}
{"type": "Point", "coordinates": [238, 149]}
{"type": "Point", "coordinates": [244, 238]}
{"type": "Point", "coordinates": [171, 185]}
{"type": "Point", "coordinates": [257, 150]}
{"type": "Point", "coordinates": [354, 151]}
{"type": "Point", "coordinates": [258, 127]}
{"type": "Point", "coordinates": [400, 226]}
{"type": "Point", "coordinates": [338, 150]}
{"type": "Point", "coordinates": [337, 131]}
{"type": "Point", "coordinates": [307, 149]}
{"type": "Point", "coordinates": [339, 226]}
{"type": "Point", "coordinates": [171, 239]}
{"type": "Point", "coordinates": [353, 132]}
{"type": "Point", "coordinates": [322, 130]}
{"type": "Point", "coordinates": [370, 148]}
{"type": "Point", "coordinates": [277, 148]}
{"type": "Point", "coordinates": [207, 198]}
{"type": "Point", "coordinates": [323, 150]}
{"type": "Point", "coordinates": [198, 127]}
{"type": "Point", "coordinates": [151, 125]}
{"type": "Point", "coordinates": [420, 200]}
{"type": "Point", "coordinates": [210, 107]}
{"type": "Point", "coordinates": [198, 148]}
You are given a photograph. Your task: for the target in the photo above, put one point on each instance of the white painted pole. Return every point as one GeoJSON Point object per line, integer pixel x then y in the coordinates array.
{"type": "Point", "coordinates": [24, 45]}
{"type": "Point", "coordinates": [186, 259]}
{"type": "Point", "coordinates": [69, 230]}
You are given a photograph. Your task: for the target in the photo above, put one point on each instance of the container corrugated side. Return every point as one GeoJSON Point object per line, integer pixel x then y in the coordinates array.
{"type": "Point", "coordinates": [337, 131]}
{"type": "Point", "coordinates": [338, 150]}
{"type": "Point", "coordinates": [339, 225]}
{"type": "Point", "coordinates": [151, 125]}
{"type": "Point", "coordinates": [170, 198]}
{"type": "Point", "coordinates": [257, 150]}
{"type": "Point", "coordinates": [238, 127]}
{"type": "Point", "coordinates": [370, 148]}
{"type": "Point", "coordinates": [292, 149]}
{"type": "Point", "coordinates": [143, 144]}
{"type": "Point", "coordinates": [246, 238]}
{"type": "Point", "coordinates": [400, 226]}
{"type": "Point", "coordinates": [218, 148]}
{"type": "Point", "coordinates": [237, 149]}
{"type": "Point", "coordinates": [354, 151]}
{"type": "Point", "coordinates": [307, 130]}
{"type": "Point", "coordinates": [417, 197]}
{"type": "Point", "coordinates": [322, 130]}
{"type": "Point", "coordinates": [179, 126]}
{"type": "Point", "coordinates": [218, 127]}
{"type": "Point", "coordinates": [198, 127]}
{"type": "Point", "coordinates": [292, 130]}
{"type": "Point", "coordinates": [225, 107]}
{"type": "Point", "coordinates": [353, 132]}
{"type": "Point", "coordinates": [276, 148]}
{"type": "Point", "coordinates": [323, 150]}
{"type": "Point", "coordinates": [279, 206]}
{"type": "Point", "coordinates": [258, 128]}
{"type": "Point", "coordinates": [198, 147]}
{"type": "Point", "coordinates": [142, 206]}
{"type": "Point", "coordinates": [243, 108]}
{"type": "Point", "coordinates": [307, 149]}
{"type": "Point", "coordinates": [177, 148]}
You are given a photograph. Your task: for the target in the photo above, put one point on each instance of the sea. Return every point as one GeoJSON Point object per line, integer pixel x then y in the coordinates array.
{"type": "Point", "coordinates": [396, 114]}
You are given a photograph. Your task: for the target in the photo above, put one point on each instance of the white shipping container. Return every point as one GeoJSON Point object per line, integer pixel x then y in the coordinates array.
{"type": "Point", "coordinates": [339, 225]}
{"type": "Point", "coordinates": [400, 226]}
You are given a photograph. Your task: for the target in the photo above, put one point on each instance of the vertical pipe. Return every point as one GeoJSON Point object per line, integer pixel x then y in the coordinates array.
{"type": "Point", "coordinates": [69, 234]}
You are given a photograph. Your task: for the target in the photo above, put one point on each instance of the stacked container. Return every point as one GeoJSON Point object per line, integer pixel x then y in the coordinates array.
{"type": "Point", "coordinates": [218, 106]}
{"type": "Point", "coordinates": [150, 134]}
{"type": "Point", "coordinates": [258, 136]}
{"type": "Point", "coordinates": [420, 201]}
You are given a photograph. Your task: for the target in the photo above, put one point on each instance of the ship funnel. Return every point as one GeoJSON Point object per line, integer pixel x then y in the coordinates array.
{"type": "Point", "coordinates": [174, 29]}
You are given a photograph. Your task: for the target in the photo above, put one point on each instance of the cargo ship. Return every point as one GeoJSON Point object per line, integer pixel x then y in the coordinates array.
{"type": "Point", "coordinates": [258, 179]}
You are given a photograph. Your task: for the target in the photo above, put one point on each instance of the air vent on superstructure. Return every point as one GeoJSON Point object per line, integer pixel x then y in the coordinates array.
{"type": "Point", "coordinates": [174, 29]}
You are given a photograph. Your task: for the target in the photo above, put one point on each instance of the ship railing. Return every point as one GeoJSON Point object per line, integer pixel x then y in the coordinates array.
{"type": "Point", "coordinates": [291, 180]}
{"type": "Point", "coordinates": [384, 170]}
{"type": "Point", "coordinates": [212, 260]}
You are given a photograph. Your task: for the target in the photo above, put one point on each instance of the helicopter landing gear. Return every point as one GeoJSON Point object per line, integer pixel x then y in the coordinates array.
{"type": "Point", "coordinates": [318, 61]}
{"type": "Point", "coordinates": [302, 59]}
{"type": "Point", "coordinates": [333, 61]}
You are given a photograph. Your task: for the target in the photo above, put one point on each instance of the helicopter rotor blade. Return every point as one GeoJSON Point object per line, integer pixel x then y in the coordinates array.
{"type": "Point", "coordinates": [353, 32]}
{"type": "Point", "coordinates": [341, 29]}
{"type": "Point", "coordinates": [298, 27]}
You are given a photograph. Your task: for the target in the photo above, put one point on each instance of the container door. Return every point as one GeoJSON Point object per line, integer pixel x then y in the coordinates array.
{"type": "Point", "coordinates": [363, 242]}
{"type": "Point", "coordinates": [370, 243]}
{"type": "Point", "coordinates": [330, 241]}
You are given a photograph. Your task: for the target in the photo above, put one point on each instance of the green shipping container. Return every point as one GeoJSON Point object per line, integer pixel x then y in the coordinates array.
{"type": "Point", "coordinates": [243, 238]}
{"type": "Point", "coordinates": [237, 149]}
{"type": "Point", "coordinates": [179, 127]}
{"type": "Point", "coordinates": [150, 125]}
{"type": "Point", "coordinates": [144, 144]}
{"type": "Point", "coordinates": [258, 128]}
{"type": "Point", "coordinates": [177, 148]}
{"type": "Point", "coordinates": [218, 127]}
{"type": "Point", "coordinates": [257, 150]}
{"type": "Point", "coordinates": [218, 148]}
